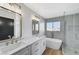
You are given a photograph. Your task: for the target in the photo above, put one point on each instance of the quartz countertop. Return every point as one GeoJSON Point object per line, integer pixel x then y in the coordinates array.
{"type": "Point", "coordinates": [27, 42]}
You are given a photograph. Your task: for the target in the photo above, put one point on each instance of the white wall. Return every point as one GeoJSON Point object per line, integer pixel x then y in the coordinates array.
{"type": "Point", "coordinates": [17, 25]}
{"type": "Point", "coordinates": [42, 27]}
{"type": "Point", "coordinates": [27, 22]}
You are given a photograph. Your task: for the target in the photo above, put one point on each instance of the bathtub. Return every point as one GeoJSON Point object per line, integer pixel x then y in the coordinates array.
{"type": "Point", "coordinates": [53, 43]}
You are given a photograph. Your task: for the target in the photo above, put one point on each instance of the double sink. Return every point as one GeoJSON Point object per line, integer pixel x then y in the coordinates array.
{"type": "Point", "coordinates": [11, 48]}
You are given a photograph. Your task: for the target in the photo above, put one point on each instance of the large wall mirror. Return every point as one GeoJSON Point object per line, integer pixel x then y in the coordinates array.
{"type": "Point", "coordinates": [10, 24]}
{"type": "Point", "coordinates": [35, 26]}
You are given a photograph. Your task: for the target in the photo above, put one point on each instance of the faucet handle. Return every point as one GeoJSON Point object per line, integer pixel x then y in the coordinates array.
{"type": "Point", "coordinates": [16, 41]}
{"type": "Point", "coordinates": [9, 36]}
{"type": "Point", "coordinates": [13, 37]}
{"type": "Point", "coordinates": [7, 43]}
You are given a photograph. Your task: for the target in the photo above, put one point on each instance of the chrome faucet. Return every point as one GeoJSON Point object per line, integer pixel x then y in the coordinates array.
{"type": "Point", "coordinates": [14, 40]}
{"type": "Point", "coordinates": [7, 43]}
{"type": "Point", "coordinates": [11, 39]}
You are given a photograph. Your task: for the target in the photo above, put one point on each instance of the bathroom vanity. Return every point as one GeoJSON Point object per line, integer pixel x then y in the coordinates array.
{"type": "Point", "coordinates": [32, 46]}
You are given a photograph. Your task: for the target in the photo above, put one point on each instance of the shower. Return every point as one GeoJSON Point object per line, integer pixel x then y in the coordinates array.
{"type": "Point", "coordinates": [71, 35]}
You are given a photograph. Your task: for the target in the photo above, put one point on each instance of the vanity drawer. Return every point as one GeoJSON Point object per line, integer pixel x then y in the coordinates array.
{"type": "Point", "coordinates": [24, 51]}
{"type": "Point", "coordinates": [36, 45]}
{"type": "Point", "coordinates": [35, 48]}
{"type": "Point", "coordinates": [36, 52]}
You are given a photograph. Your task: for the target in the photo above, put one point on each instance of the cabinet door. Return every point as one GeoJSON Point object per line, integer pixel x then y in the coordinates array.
{"type": "Point", "coordinates": [35, 48]}
{"type": "Point", "coordinates": [43, 45]}
{"type": "Point", "coordinates": [24, 51]}
{"type": "Point", "coordinates": [38, 47]}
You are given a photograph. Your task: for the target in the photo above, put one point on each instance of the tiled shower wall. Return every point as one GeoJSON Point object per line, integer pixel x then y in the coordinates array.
{"type": "Point", "coordinates": [72, 31]}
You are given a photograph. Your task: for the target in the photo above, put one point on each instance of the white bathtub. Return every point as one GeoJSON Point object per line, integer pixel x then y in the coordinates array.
{"type": "Point", "coordinates": [53, 43]}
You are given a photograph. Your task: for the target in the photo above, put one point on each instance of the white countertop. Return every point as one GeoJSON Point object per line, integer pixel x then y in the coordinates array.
{"type": "Point", "coordinates": [27, 42]}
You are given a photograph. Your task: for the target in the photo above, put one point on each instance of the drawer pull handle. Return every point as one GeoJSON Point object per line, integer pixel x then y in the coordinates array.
{"type": "Point", "coordinates": [36, 50]}
{"type": "Point", "coordinates": [36, 44]}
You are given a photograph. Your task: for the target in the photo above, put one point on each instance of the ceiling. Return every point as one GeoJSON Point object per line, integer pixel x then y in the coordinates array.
{"type": "Point", "coordinates": [50, 10]}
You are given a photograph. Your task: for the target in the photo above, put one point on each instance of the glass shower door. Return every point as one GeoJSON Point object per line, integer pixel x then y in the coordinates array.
{"type": "Point", "coordinates": [72, 35]}
{"type": "Point", "coordinates": [76, 34]}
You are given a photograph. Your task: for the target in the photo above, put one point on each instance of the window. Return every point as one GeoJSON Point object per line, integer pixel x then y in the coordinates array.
{"type": "Point", "coordinates": [49, 26]}
{"type": "Point", "coordinates": [53, 26]}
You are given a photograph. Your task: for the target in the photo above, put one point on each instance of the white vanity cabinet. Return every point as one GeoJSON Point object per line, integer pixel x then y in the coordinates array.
{"type": "Point", "coordinates": [24, 51]}
{"type": "Point", "coordinates": [38, 47]}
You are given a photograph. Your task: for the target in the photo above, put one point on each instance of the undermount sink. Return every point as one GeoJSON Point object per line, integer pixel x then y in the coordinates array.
{"type": "Point", "coordinates": [11, 47]}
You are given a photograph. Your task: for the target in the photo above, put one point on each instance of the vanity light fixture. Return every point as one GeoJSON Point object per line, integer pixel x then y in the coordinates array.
{"type": "Point", "coordinates": [35, 18]}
